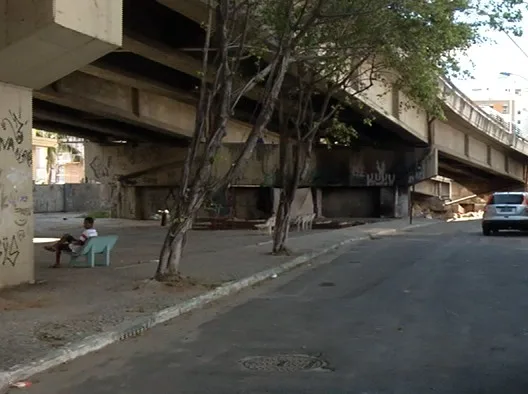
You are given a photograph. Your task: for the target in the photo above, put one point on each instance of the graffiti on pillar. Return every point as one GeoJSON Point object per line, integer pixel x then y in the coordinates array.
{"type": "Point", "coordinates": [21, 234]}
{"type": "Point", "coordinates": [15, 184]}
{"type": "Point", "coordinates": [15, 212]}
{"type": "Point", "coordinates": [9, 250]}
{"type": "Point", "coordinates": [381, 177]}
{"type": "Point", "coordinates": [22, 216]}
{"type": "Point", "coordinates": [101, 167]}
{"type": "Point", "coordinates": [12, 136]}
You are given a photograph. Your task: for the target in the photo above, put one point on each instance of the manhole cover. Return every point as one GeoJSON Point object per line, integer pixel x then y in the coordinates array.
{"type": "Point", "coordinates": [283, 363]}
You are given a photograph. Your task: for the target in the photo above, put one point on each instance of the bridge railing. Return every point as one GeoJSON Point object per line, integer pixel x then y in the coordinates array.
{"type": "Point", "coordinates": [449, 89]}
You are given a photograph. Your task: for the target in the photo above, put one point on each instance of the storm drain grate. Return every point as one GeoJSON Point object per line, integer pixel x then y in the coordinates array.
{"type": "Point", "coordinates": [283, 363]}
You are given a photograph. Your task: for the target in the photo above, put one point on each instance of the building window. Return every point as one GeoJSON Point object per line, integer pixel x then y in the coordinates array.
{"type": "Point", "coordinates": [505, 109]}
{"type": "Point", "coordinates": [518, 122]}
{"type": "Point", "coordinates": [518, 112]}
{"type": "Point", "coordinates": [518, 91]}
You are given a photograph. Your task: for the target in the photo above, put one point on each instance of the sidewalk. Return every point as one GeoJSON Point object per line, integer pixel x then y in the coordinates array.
{"type": "Point", "coordinates": [68, 305]}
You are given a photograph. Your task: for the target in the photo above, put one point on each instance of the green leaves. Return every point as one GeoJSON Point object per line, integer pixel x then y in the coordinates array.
{"type": "Point", "coordinates": [352, 42]}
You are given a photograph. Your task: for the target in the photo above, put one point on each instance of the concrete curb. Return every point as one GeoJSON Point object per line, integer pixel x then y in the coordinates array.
{"type": "Point", "coordinates": [136, 327]}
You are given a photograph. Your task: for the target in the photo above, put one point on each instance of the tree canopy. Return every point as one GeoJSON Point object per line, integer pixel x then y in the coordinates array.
{"type": "Point", "coordinates": [410, 43]}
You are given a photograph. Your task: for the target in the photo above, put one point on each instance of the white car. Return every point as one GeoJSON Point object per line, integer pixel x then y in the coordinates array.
{"type": "Point", "coordinates": [505, 211]}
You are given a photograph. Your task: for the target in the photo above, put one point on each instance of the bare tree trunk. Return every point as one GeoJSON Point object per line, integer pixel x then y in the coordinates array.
{"type": "Point", "coordinates": [172, 250]}
{"type": "Point", "coordinates": [282, 226]}
{"type": "Point", "coordinates": [292, 171]}
{"type": "Point", "coordinates": [215, 107]}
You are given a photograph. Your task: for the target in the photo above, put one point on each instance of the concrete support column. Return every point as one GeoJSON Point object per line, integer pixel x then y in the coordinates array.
{"type": "Point", "coordinates": [387, 202]}
{"type": "Point", "coordinates": [318, 202]}
{"type": "Point", "coordinates": [394, 201]}
{"type": "Point", "coordinates": [401, 202]}
{"type": "Point", "coordinates": [45, 40]}
{"type": "Point", "coordinates": [40, 42]}
{"type": "Point", "coordinates": [16, 187]}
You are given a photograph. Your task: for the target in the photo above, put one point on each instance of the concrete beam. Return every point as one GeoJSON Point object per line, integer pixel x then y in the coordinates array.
{"type": "Point", "coordinates": [193, 10]}
{"type": "Point", "coordinates": [433, 187]}
{"type": "Point", "coordinates": [100, 105]}
{"type": "Point", "coordinates": [63, 128]}
{"type": "Point", "coordinates": [140, 82]}
{"type": "Point", "coordinates": [46, 116]}
{"type": "Point", "coordinates": [172, 58]}
{"type": "Point", "coordinates": [463, 170]}
{"type": "Point", "coordinates": [141, 108]}
{"type": "Point", "coordinates": [42, 41]}
{"type": "Point", "coordinates": [466, 149]}
{"type": "Point", "coordinates": [143, 83]}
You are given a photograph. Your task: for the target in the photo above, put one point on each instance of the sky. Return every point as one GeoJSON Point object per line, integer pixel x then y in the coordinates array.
{"type": "Point", "coordinates": [500, 55]}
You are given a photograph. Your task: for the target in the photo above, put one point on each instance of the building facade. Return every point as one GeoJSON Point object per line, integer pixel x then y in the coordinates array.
{"type": "Point", "coordinates": [506, 102]}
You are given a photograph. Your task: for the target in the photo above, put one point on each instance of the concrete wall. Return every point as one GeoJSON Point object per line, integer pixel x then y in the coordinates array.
{"type": "Point", "coordinates": [75, 197]}
{"type": "Point", "coordinates": [459, 191]}
{"type": "Point", "coordinates": [440, 187]}
{"type": "Point", "coordinates": [347, 202]}
{"type": "Point", "coordinates": [158, 165]}
{"type": "Point", "coordinates": [142, 178]}
{"type": "Point", "coordinates": [16, 200]}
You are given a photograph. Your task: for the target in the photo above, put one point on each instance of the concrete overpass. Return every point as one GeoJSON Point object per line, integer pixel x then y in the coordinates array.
{"type": "Point", "coordinates": [112, 77]}
{"type": "Point", "coordinates": [147, 89]}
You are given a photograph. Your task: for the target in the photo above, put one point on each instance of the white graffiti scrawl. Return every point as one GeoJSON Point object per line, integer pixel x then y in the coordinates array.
{"type": "Point", "coordinates": [380, 177]}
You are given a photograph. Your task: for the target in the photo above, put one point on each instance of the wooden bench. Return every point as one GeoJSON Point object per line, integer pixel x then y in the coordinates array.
{"type": "Point", "coordinates": [95, 245]}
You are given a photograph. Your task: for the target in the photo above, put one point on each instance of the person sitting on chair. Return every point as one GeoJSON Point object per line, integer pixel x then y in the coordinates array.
{"type": "Point", "coordinates": [69, 244]}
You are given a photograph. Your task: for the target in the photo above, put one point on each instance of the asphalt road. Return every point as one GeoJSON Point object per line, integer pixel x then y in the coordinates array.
{"type": "Point", "coordinates": [438, 310]}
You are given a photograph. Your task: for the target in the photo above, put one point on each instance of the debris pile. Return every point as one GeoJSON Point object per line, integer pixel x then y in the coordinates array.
{"type": "Point", "coordinates": [436, 208]}
{"type": "Point", "coordinates": [430, 208]}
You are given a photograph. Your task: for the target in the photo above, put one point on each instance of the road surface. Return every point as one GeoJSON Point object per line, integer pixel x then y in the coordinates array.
{"type": "Point", "coordinates": [438, 310]}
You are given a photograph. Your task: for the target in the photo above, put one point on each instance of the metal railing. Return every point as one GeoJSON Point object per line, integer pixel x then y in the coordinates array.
{"type": "Point", "coordinates": [507, 127]}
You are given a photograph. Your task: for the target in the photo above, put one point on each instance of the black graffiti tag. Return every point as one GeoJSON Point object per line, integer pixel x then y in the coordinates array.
{"type": "Point", "coordinates": [10, 251]}
{"type": "Point", "coordinates": [14, 125]}
{"type": "Point", "coordinates": [100, 168]}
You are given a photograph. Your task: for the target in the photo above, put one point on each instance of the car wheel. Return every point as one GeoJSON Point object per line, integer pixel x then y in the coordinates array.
{"type": "Point", "coordinates": [486, 231]}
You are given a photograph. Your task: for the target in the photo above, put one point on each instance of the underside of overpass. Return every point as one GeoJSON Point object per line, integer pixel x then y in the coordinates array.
{"type": "Point", "coordinates": [111, 99]}
{"type": "Point", "coordinates": [132, 97]}
{"type": "Point", "coordinates": [161, 53]}
{"type": "Point", "coordinates": [475, 179]}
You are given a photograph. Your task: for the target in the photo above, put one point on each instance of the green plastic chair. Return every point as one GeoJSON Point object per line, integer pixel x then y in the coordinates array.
{"type": "Point", "coordinates": [94, 246]}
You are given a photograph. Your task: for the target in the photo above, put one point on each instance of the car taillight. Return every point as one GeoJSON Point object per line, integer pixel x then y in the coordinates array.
{"type": "Point", "coordinates": [525, 201]}
{"type": "Point", "coordinates": [490, 199]}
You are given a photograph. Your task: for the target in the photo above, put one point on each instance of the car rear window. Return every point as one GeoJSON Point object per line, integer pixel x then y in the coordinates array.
{"type": "Point", "coordinates": [507, 199]}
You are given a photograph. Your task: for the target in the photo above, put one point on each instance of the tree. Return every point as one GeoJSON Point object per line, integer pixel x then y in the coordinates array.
{"type": "Point", "coordinates": [351, 45]}
{"type": "Point", "coordinates": [230, 44]}
{"type": "Point", "coordinates": [252, 44]}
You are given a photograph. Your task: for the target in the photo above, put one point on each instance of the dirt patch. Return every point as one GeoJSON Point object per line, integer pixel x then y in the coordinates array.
{"type": "Point", "coordinates": [14, 304]}
{"type": "Point", "coordinates": [178, 284]}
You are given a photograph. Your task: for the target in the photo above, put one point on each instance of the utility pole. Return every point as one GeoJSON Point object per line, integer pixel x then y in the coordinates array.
{"type": "Point", "coordinates": [410, 190]}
